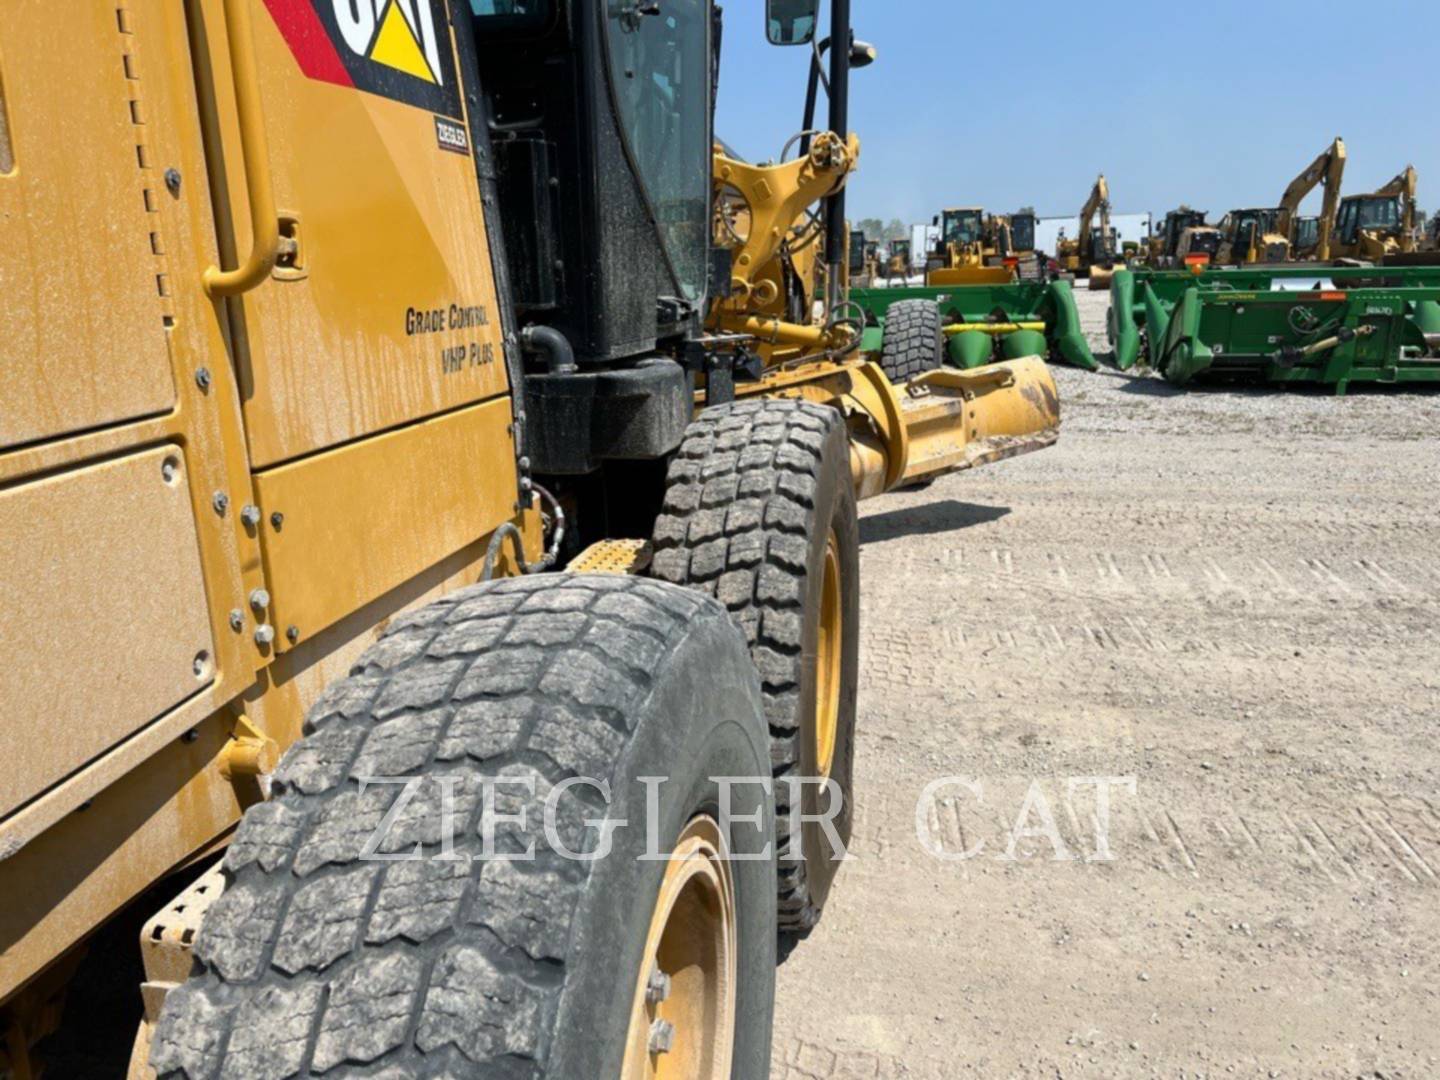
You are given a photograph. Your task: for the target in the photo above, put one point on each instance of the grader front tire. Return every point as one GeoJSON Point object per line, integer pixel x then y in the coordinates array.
{"type": "Point", "coordinates": [760, 513]}
{"type": "Point", "coordinates": [316, 960]}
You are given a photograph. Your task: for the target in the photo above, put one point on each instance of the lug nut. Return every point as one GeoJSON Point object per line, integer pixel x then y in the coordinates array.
{"type": "Point", "coordinates": [259, 599]}
{"type": "Point", "coordinates": [221, 502]}
{"type": "Point", "coordinates": [658, 988]}
{"type": "Point", "coordinates": [264, 634]}
{"type": "Point", "coordinates": [662, 1037]}
{"type": "Point", "coordinates": [237, 620]}
{"type": "Point", "coordinates": [277, 519]}
{"type": "Point", "coordinates": [292, 634]}
{"type": "Point", "coordinates": [202, 378]}
{"type": "Point", "coordinates": [172, 180]}
{"type": "Point", "coordinates": [250, 514]}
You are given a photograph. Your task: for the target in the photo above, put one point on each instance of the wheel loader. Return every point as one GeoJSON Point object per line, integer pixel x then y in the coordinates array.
{"type": "Point", "coordinates": [966, 251]}
{"type": "Point", "coordinates": [418, 430]}
{"type": "Point", "coordinates": [897, 262]}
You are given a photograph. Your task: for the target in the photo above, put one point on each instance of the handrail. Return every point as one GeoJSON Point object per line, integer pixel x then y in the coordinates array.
{"type": "Point", "coordinates": [264, 222]}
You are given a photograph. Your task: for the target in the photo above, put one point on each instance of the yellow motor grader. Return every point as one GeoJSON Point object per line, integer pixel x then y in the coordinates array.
{"type": "Point", "coordinates": [428, 471]}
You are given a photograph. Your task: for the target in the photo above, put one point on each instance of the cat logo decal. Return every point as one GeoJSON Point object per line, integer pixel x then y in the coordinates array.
{"type": "Point", "coordinates": [398, 49]}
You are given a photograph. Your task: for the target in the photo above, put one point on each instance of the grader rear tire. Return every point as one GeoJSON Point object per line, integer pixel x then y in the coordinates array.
{"type": "Point", "coordinates": [912, 343]}
{"type": "Point", "coordinates": [316, 960]}
{"type": "Point", "coordinates": [760, 512]}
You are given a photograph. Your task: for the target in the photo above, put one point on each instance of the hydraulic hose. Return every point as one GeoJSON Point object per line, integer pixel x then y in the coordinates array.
{"type": "Point", "coordinates": [507, 529]}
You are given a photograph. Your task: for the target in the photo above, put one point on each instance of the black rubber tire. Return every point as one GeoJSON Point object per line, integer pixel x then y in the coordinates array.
{"type": "Point", "coordinates": [751, 497]}
{"type": "Point", "coordinates": [912, 343]}
{"type": "Point", "coordinates": [316, 961]}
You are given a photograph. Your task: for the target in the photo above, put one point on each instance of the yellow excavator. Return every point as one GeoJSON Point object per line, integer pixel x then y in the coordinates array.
{"type": "Point", "coordinates": [1379, 224]}
{"type": "Point", "coordinates": [1092, 249]}
{"type": "Point", "coordinates": [1265, 234]}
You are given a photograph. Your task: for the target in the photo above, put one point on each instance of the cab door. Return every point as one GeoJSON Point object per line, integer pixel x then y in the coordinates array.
{"type": "Point", "coordinates": [370, 360]}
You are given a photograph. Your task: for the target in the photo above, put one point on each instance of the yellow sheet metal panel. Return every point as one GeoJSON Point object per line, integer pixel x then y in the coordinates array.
{"type": "Point", "coordinates": [360, 520]}
{"type": "Point", "coordinates": [82, 335]}
{"type": "Point", "coordinates": [60, 886]}
{"type": "Point", "coordinates": [104, 625]}
{"type": "Point", "coordinates": [388, 313]}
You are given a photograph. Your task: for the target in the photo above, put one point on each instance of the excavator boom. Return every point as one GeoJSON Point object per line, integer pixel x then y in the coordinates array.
{"type": "Point", "coordinates": [1327, 169]}
{"type": "Point", "coordinates": [1098, 202]}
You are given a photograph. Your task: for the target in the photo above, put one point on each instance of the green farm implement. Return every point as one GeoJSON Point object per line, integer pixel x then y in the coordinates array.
{"type": "Point", "coordinates": [1329, 325]}
{"type": "Point", "coordinates": [985, 323]}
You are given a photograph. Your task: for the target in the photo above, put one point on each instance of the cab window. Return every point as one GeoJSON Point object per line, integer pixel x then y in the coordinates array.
{"type": "Point", "coordinates": [660, 69]}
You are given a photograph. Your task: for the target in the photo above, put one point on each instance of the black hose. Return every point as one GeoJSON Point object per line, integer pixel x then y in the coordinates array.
{"type": "Point", "coordinates": [508, 529]}
{"type": "Point", "coordinates": [552, 343]}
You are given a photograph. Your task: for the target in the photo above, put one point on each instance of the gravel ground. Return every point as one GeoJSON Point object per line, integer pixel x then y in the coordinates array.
{"type": "Point", "coordinates": [1231, 598]}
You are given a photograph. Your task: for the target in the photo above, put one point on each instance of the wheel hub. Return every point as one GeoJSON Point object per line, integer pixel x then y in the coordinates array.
{"type": "Point", "coordinates": [682, 1016]}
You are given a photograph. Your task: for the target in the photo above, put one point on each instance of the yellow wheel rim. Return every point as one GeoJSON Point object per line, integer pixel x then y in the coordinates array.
{"type": "Point", "coordinates": [829, 647]}
{"type": "Point", "coordinates": [682, 1015]}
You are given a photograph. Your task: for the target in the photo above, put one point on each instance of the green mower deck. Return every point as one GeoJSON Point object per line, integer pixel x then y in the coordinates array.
{"type": "Point", "coordinates": [988, 322]}
{"type": "Point", "coordinates": [1328, 325]}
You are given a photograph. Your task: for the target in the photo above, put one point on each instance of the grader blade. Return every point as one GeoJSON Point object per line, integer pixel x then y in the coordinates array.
{"type": "Point", "coordinates": [959, 419]}
{"type": "Point", "coordinates": [946, 420]}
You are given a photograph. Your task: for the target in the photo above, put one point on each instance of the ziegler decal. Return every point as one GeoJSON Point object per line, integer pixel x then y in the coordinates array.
{"type": "Point", "coordinates": [451, 136]}
{"type": "Point", "coordinates": [398, 49]}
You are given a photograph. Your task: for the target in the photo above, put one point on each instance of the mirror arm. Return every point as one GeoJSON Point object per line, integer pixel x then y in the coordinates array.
{"type": "Point", "coordinates": [812, 93]}
{"type": "Point", "coordinates": [840, 125]}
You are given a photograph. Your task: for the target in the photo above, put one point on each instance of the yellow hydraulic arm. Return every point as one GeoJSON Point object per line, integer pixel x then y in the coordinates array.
{"type": "Point", "coordinates": [1327, 169]}
{"type": "Point", "coordinates": [775, 198]}
{"type": "Point", "coordinates": [1098, 202]}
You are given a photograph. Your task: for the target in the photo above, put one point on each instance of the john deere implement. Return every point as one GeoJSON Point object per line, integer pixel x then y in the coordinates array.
{"type": "Point", "coordinates": [985, 323]}
{"type": "Point", "coordinates": [1328, 325]}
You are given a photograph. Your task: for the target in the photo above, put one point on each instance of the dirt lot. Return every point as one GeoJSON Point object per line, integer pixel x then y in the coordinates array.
{"type": "Point", "coordinates": [1230, 597]}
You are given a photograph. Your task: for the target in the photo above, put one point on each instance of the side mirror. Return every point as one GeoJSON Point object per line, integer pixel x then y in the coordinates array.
{"type": "Point", "coordinates": [791, 22]}
{"type": "Point", "coordinates": [935, 220]}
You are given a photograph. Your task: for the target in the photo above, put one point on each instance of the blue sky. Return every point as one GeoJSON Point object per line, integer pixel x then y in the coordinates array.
{"type": "Point", "coordinates": [1217, 104]}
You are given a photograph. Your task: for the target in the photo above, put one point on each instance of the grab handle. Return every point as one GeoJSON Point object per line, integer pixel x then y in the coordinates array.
{"type": "Point", "coordinates": [264, 223]}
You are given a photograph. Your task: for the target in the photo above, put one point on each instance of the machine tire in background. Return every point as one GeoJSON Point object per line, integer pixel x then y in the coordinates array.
{"type": "Point", "coordinates": [760, 512]}
{"type": "Point", "coordinates": [912, 343]}
{"type": "Point", "coordinates": [316, 960]}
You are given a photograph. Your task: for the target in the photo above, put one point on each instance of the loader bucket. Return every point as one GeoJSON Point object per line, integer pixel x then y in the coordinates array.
{"type": "Point", "coordinates": [970, 275]}
{"type": "Point", "coordinates": [1100, 278]}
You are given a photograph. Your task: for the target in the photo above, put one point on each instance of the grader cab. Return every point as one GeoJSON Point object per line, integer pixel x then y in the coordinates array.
{"type": "Point", "coordinates": [377, 317]}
